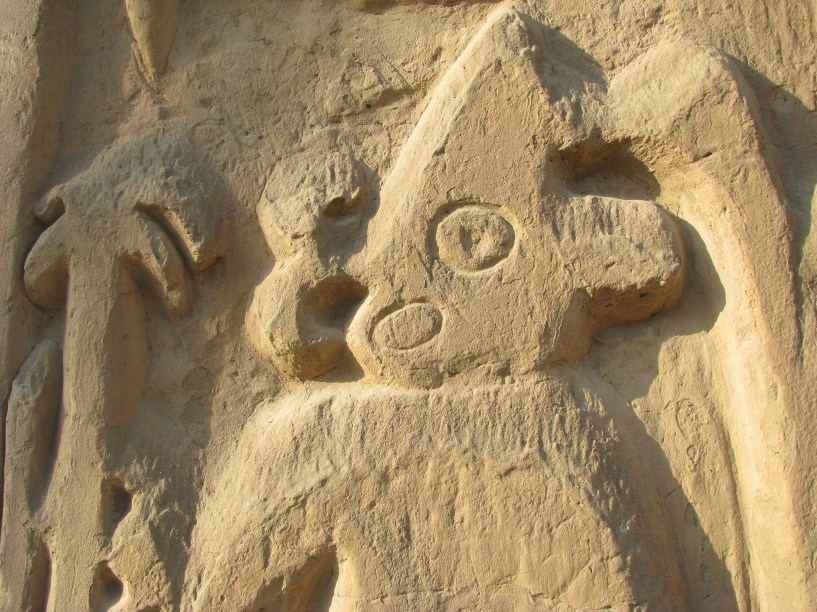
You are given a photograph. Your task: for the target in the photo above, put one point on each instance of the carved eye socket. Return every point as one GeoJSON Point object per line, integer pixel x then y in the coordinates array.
{"type": "Point", "coordinates": [473, 238]}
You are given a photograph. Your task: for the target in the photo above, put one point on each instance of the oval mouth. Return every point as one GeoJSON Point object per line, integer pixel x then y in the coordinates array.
{"type": "Point", "coordinates": [411, 326]}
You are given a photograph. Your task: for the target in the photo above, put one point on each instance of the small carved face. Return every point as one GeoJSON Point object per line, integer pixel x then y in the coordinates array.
{"type": "Point", "coordinates": [498, 282]}
{"type": "Point", "coordinates": [482, 259]}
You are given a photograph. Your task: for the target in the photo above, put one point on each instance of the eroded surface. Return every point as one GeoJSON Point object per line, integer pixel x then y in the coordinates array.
{"type": "Point", "coordinates": [389, 305]}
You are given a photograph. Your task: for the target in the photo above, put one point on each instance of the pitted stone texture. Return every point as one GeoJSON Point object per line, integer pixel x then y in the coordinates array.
{"type": "Point", "coordinates": [408, 305]}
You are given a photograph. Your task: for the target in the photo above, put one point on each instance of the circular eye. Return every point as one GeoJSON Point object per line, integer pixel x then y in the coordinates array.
{"type": "Point", "coordinates": [473, 238]}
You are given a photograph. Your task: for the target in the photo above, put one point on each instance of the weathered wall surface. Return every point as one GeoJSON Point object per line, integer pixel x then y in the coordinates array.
{"type": "Point", "coordinates": [408, 305]}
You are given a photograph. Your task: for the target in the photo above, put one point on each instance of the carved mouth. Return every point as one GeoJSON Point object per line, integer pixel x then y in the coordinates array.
{"type": "Point", "coordinates": [331, 303]}
{"type": "Point", "coordinates": [398, 343]}
{"type": "Point", "coordinates": [409, 327]}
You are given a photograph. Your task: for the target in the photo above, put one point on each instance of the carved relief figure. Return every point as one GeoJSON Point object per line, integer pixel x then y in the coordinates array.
{"type": "Point", "coordinates": [111, 230]}
{"type": "Point", "coordinates": [443, 458]}
{"type": "Point", "coordinates": [526, 343]}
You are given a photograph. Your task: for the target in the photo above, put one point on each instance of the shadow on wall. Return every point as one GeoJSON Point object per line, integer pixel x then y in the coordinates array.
{"type": "Point", "coordinates": [794, 135]}
{"type": "Point", "coordinates": [620, 370]}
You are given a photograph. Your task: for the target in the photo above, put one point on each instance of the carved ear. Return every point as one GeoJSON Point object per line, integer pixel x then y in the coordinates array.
{"type": "Point", "coordinates": [626, 254]}
{"type": "Point", "coordinates": [705, 108]}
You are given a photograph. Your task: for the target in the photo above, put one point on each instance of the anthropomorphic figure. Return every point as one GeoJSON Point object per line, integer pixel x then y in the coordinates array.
{"type": "Point", "coordinates": [436, 455]}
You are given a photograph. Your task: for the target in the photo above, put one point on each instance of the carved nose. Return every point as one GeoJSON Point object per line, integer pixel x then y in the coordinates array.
{"type": "Point", "coordinates": [409, 327]}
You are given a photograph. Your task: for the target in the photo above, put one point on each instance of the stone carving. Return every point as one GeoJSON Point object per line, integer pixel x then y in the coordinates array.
{"type": "Point", "coordinates": [80, 212]}
{"type": "Point", "coordinates": [301, 310]}
{"type": "Point", "coordinates": [31, 429]}
{"type": "Point", "coordinates": [519, 316]}
{"type": "Point", "coordinates": [153, 24]}
{"type": "Point", "coordinates": [443, 219]}
{"type": "Point", "coordinates": [143, 191]}
{"type": "Point", "coordinates": [480, 272]}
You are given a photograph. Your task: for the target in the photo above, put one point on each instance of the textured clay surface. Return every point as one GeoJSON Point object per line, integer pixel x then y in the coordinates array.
{"type": "Point", "coordinates": [408, 305]}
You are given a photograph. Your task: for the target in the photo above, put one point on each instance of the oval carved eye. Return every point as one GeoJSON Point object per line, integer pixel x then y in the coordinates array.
{"type": "Point", "coordinates": [473, 238]}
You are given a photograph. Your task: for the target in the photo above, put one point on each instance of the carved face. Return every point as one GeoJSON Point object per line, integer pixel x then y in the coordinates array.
{"type": "Point", "coordinates": [481, 261]}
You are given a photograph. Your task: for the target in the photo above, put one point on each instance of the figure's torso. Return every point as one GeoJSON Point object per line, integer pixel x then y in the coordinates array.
{"type": "Point", "coordinates": [493, 498]}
